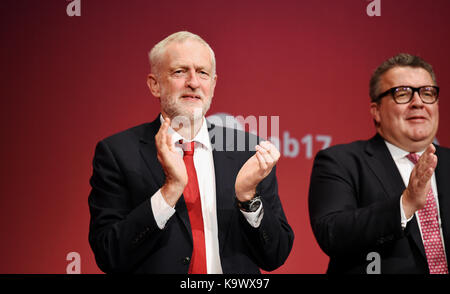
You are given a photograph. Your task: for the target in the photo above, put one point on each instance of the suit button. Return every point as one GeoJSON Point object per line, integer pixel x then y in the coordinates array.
{"type": "Point", "coordinates": [186, 260]}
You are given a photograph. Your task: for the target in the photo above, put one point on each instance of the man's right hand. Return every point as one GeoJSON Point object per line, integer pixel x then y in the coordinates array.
{"type": "Point", "coordinates": [415, 195]}
{"type": "Point", "coordinates": [172, 164]}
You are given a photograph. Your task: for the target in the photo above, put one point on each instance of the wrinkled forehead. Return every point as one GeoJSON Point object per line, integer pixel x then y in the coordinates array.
{"type": "Point", "coordinates": [188, 53]}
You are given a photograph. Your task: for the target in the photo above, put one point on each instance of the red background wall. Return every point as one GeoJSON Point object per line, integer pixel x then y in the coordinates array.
{"type": "Point", "coordinates": [67, 82]}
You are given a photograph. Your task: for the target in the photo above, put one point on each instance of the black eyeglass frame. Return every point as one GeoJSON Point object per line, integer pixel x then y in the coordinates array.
{"type": "Point", "coordinates": [392, 92]}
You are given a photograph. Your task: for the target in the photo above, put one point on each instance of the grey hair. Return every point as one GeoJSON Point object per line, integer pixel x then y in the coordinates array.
{"type": "Point", "coordinates": [155, 55]}
{"type": "Point", "coordinates": [399, 60]}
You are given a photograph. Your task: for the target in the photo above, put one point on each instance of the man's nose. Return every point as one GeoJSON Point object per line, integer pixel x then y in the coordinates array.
{"type": "Point", "coordinates": [192, 80]}
{"type": "Point", "coordinates": [416, 101]}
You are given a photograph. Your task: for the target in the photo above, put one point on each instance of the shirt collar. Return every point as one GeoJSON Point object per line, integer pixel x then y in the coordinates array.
{"type": "Point", "coordinates": [398, 153]}
{"type": "Point", "coordinates": [202, 136]}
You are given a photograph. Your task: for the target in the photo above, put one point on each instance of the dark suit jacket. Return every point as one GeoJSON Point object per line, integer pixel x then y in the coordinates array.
{"type": "Point", "coordinates": [125, 237]}
{"type": "Point", "coordinates": [354, 205]}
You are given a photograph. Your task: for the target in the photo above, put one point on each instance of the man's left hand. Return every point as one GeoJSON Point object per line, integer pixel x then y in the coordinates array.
{"type": "Point", "coordinates": [255, 170]}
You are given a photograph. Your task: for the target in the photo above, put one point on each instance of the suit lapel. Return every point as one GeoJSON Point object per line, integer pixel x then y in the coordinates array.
{"type": "Point", "coordinates": [149, 154]}
{"type": "Point", "coordinates": [223, 169]}
{"type": "Point", "coordinates": [385, 169]}
{"type": "Point", "coordinates": [383, 166]}
{"type": "Point", "coordinates": [442, 174]}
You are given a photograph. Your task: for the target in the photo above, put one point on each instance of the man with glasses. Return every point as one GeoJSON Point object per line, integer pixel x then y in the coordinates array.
{"type": "Point", "coordinates": [383, 205]}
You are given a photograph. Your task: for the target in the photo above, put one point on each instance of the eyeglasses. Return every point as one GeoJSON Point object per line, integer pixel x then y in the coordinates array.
{"type": "Point", "coordinates": [404, 94]}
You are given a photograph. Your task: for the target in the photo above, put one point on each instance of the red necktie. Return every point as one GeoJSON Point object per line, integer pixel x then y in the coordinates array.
{"type": "Point", "coordinates": [431, 235]}
{"type": "Point", "coordinates": [194, 206]}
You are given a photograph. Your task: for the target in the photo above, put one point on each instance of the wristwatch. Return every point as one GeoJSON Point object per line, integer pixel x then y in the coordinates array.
{"type": "Point", "coordinates": [250, 206]}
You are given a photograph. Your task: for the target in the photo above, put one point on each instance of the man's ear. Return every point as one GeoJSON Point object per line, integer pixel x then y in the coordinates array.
{"type": "Point", "coordinates": [153, 85]}
{"type": "Point", "coordinates": [375, 112]}
{"type": "Point", "coordinates": [214, 83]}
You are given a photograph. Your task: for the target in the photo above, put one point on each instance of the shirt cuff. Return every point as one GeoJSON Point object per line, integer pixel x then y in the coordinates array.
{"type": "Point", "coordinates": [254, 218]}
{"type": "Point", "coordinates": [404, 220]}
{"type": "Point", "coordinates": [161, 210]}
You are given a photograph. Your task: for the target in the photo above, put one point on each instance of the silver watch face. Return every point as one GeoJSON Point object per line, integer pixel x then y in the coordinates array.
{"type": "Point", "coordinates": [254, 204]}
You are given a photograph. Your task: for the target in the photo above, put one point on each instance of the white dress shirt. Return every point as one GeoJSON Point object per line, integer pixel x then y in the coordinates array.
{"type": "Point", "coordinates": [204, 167]}
{"type": "Point", "coordinates": [405, 167]}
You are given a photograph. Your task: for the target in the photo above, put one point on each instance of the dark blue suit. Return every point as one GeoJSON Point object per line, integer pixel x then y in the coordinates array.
{"type": "Point", "coordinates": [354, 205]}
{"type": "Point", "coordinates": [125, 237]}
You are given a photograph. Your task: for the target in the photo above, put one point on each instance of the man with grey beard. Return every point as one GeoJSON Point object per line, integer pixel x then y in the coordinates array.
{"type": "Point", "coordinates": [166, 198]}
